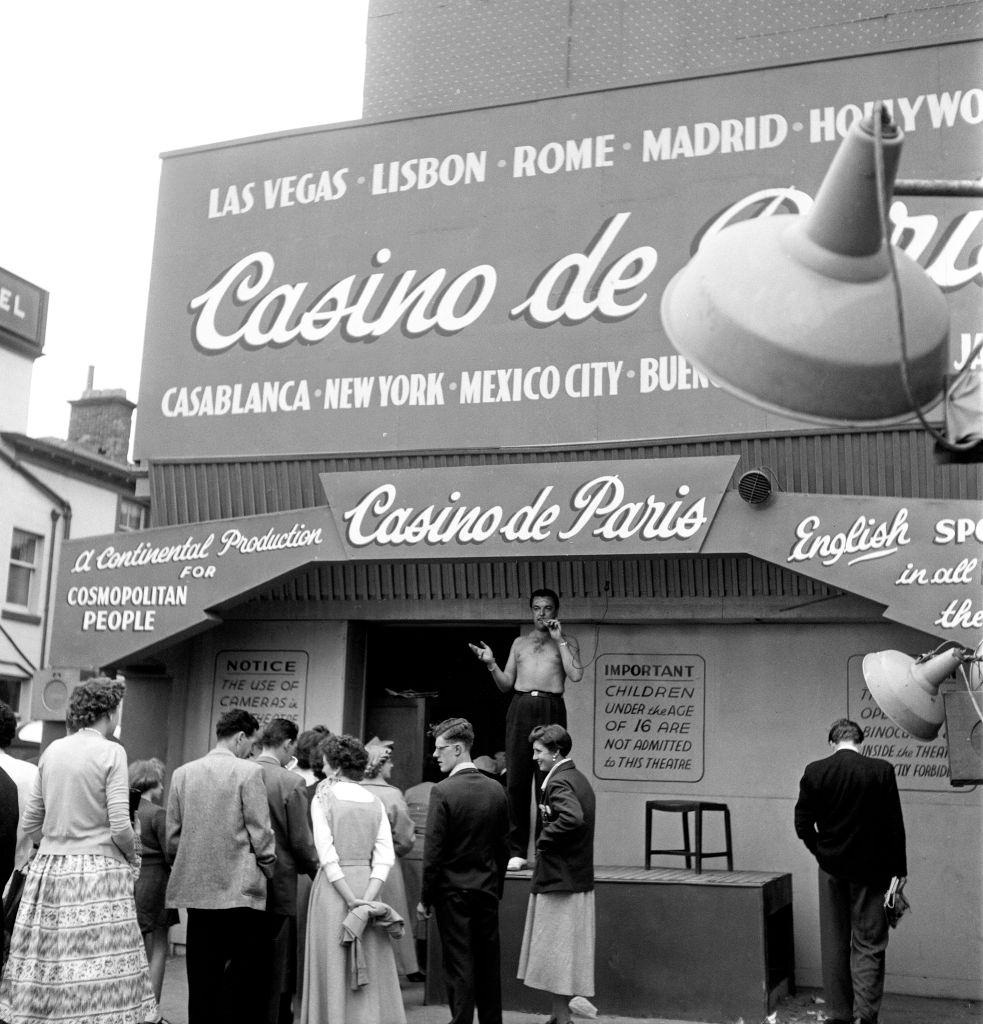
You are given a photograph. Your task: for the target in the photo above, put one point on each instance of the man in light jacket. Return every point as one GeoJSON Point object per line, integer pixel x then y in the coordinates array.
{"type": "Point", "coordinates": [219, 834]}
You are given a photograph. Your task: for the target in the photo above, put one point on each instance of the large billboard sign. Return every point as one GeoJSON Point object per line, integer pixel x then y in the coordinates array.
{"type": "Point", "coordinates": [493, 277]}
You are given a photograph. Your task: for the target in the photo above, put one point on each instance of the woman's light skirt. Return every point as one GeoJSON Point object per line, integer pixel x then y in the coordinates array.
{"type": "Point", "coordinates": [558, 943]}
{"type": "Point", "coordinates": [76, 953]}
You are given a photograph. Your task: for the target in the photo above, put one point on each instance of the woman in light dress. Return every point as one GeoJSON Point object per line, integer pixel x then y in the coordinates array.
{"type": "Point", "coordinates": [377, 774]}
{"type": "Point", "coordinates": [557, 953]}
{"type": "Point", "coordinates": [355, 849]}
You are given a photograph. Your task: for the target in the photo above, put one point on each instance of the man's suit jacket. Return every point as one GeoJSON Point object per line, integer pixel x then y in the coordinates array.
{"type": "Point", "coordinates": [218, 832]}
{"type": "Point", "coordinates": [286, 793]}
{"type": "Point", "coordinates": [9, 816]}
{"type": "Point", "coordinates": [466, 844]}
{"type": "Point", "coordinates": [849, 816]}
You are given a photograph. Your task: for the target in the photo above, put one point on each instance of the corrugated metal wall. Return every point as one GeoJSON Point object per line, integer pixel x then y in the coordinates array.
{"type": "Point", "coordinates": [891, 463]}
{"type": "Point", "coordinates": [895, 463]}
{"type": "Point", "coordinates": [698, 579]}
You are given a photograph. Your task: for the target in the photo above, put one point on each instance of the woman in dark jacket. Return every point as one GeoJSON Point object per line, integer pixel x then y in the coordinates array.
{"type": "Point", "coordinates": [155, 920]}
{"type": "Point", "coordinates": [558, 944]}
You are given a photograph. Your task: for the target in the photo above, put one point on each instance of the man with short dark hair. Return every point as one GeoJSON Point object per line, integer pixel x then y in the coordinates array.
{"type": "Point", "coordinates": [464, 860]}
{"type": "Point", "coordinates": [295, 852]}
{"type": "Point", "coordinates": [849, 816]}
{"type": "Point", "coordinates": [539, 666]}
{"type": "Point", "coordinates": [218, 831]}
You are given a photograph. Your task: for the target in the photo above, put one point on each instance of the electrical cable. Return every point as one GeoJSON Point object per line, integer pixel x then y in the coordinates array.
{"type": "Point", "coordinates": [951, 446]}
{"type": "Point", "coordinates": [597, 627]}
{"type": "Point", "coordinates": [969, 689]}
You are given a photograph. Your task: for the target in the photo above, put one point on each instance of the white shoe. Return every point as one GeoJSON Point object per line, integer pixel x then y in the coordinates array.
{"type": "Point", "coordinates": [582, 1007]}
{"type": "Point", "coordinates": [517, 864]}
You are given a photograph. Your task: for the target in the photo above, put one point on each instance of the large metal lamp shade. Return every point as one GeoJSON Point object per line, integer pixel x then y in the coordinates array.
{"type": "Point", "coordinates": [907, 691]}
{"type": "Point", "coordinates": [796, 313]}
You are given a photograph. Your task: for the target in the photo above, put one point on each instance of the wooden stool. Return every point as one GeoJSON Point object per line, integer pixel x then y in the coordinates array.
{"type": "Point", "coordinates": [684, 807]}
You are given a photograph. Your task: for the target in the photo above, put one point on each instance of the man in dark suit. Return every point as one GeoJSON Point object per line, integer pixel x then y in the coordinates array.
{"type": "Point", "coordinates": [464, 861]}
{"type": "Point", "coordinates": [9, 816]}
{"type": "Point", "coordinates": [849, 816]}
{"type": "Point", "coordinates": [295, 853]}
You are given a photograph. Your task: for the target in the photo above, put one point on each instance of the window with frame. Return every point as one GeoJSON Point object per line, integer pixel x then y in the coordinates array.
{"type": "Point", "coordinates": [131, 516]}
{"type": "Point", "coordinates": [25, 561]}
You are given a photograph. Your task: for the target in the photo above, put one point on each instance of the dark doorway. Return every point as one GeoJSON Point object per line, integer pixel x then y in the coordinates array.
{"type": "Point", "coordinates": [419, 674]}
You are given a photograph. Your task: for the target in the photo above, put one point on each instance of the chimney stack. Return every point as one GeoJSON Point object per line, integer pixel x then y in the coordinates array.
{"type": "Point", "coordinates": [101, 421]}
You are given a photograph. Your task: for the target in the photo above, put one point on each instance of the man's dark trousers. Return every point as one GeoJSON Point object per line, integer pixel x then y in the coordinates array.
{"type": "Point", "coordinates": [228, 963]}
{"type": "Point", "coordinates": [853, 969]}
{"type": "Point", "coordinates": [524, 714]}
{"type": "Point", "coordinates": [468, 924]}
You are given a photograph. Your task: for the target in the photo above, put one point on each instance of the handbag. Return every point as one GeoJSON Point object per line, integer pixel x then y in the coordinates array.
{"type": "Point", "coordinates": [896, 904]}
{"type": "Point", "coordinates": [11, 900]}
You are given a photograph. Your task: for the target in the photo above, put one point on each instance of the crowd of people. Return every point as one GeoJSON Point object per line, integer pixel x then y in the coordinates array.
{"type": "Point", "coordinates": [284, 852]}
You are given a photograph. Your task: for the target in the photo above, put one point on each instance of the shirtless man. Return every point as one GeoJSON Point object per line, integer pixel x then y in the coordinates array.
{"type": "Point", "coordinates": [539, 665]}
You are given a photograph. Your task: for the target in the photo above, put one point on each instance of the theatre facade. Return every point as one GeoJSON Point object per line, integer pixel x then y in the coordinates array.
{"type": "Point", "coordinates": [400, 373]}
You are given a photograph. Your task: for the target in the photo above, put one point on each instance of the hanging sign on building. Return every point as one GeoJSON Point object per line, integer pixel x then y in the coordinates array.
{"type": "Point", "coordinates": [919, 558]}
{"type": "Point", "coordinates": [546, 511]}
{"type": "Point", "coordinates": [493, 277]}
{"type": "Point", "coordinates": [137, 591]}
{"type": "Point", "coordinates": [23, 313]}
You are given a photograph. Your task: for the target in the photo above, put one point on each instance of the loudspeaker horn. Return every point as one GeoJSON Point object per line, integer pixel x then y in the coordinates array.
{"type": "Point", "coordinates": [907, 691]}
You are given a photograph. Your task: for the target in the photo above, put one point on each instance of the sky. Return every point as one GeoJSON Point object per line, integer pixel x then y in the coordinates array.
{"type": "Point", "coordinates": [92, 95]}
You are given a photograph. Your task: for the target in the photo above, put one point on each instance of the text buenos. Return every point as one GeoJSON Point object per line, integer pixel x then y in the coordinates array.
{"type": "Point", "coordinates": [599, 506]}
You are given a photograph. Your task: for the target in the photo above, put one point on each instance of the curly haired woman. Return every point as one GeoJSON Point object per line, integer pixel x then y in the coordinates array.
{"type": "Point", "coordinates": [76, 953]}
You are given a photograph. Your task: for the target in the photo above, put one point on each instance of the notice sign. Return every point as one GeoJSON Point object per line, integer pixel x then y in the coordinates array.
{"type": "Point", "coordinates": [918, 764]}
{"type": "Point", "coordinates": [267, 684]}
{"type": "Point", "coordinates": [649, 713]}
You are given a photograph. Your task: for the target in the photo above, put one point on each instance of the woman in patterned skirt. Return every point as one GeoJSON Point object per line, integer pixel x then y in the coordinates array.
{"type": "Point", "coordinates": [76, 955]}
{"type": "Point", "coordinates": [557, 953]}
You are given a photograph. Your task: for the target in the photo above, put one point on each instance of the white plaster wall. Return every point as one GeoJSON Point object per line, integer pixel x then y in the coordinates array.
{"type": "Point", "coordinates": [15, 392]}
{"type": "Point", "coordinates": [23, 507]}
{"type": "Point", "coordinates": [771, 693]}
{"type": "Point", "coordinates": [93, 507]}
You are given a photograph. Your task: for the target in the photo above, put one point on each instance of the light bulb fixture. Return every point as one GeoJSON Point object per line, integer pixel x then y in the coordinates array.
{"type": "Point", "coordinates": [801, 314]}
{"type": "Point", "coordinates": [907, 689]}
